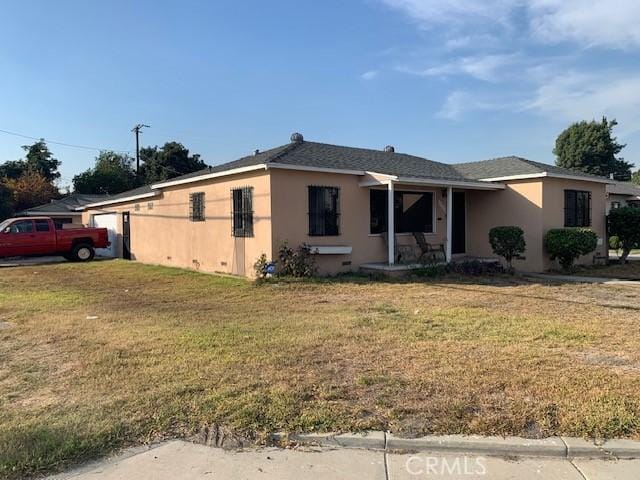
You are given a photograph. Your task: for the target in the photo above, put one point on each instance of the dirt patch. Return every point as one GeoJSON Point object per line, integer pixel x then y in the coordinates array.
{"type": "Point", "coordinates": [611, 360]}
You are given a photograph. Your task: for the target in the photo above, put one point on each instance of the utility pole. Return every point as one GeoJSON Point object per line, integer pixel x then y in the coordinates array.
{"type": "Point", "coordinates": [136, 130]}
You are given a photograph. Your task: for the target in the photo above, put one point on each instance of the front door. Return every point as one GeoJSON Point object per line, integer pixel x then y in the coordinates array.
{"type": "Point", "coordinates": [126, 236]}
{"type": "Point", "coordinates": [459, 234]}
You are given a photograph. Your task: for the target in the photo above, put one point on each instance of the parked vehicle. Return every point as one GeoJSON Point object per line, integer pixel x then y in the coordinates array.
{"type": "Point", "coordinates": [38, 236]}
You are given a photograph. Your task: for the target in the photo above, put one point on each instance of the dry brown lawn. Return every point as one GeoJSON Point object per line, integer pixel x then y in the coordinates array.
{"type": "Point", "coordinates": [101, 355]}
{"type": "Point", "coordinates": [628, 271]}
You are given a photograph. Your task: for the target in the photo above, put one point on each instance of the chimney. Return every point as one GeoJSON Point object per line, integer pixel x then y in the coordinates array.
{"type": "Point", "coordinates": [389, 149]}
{"type": "Point", "coordinates": [611, 176]}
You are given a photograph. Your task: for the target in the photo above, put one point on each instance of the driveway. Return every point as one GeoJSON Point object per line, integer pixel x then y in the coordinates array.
{"type": "Point", "coordinates": [29, 261]}
{"type": "Point", "coordinates": [188, 461]}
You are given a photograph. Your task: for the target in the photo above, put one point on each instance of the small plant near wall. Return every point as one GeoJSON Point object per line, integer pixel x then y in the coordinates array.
{"type": "Point", "coordinates": [568, 244]}
{"type": "Point", "coordinates": [263, 268]}
{"type": "Point", "coordinates": [298, 262]}
{"type": "Point", "coordinates": [624, 224]}
{"type": "Point", "coordinates": [507, 242]}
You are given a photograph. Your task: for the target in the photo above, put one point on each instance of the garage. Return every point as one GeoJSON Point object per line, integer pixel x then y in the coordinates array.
{"type": "Point", "coordinates": [110, 222]}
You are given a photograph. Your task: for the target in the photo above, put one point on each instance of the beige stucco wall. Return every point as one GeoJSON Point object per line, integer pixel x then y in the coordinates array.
{"type": "Point", "coordinates": [519, 204]}
{"type": "Point", "coordinates": [536, 206]}
{"type": "Point", "coordinates": [290, 206]}
{"type": "Point", "coordinates": [553, 213]}
{"type": "Point", "coordinates": [164, 234]}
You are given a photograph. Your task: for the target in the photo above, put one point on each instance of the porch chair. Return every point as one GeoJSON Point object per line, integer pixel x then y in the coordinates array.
{"type": "Point", "coordinates": [428, 252]}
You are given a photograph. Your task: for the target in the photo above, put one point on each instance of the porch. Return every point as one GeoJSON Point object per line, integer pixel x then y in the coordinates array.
{"type": "Point", "coordinates": [400, 269]}
{"type": "Point", "coordinates": [427, 219]}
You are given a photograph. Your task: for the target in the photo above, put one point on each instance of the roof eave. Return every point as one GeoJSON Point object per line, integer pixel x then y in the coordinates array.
{"type": "Point", "coordinates": [119, 200]}
{"type": "Point", "coordinates": [527, 176]}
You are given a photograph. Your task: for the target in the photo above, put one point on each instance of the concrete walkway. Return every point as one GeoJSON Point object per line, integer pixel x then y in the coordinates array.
{"type": "Point", "coordinates": [182, 460]}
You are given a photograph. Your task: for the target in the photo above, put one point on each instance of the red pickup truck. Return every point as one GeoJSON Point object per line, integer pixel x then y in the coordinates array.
{"type": "Point", "coordinates": [38, 236]}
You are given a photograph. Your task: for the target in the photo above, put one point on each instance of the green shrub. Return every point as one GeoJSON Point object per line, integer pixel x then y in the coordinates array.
{"type": "Point", "coordinates": [624, 223]}
{"type": "Point", "coordinates": [297, 262]}
{"type": "Point", "coordinates": [260, 267]}
{"type": "Point", "coordinates": [568, 244]}
{"type": "Point", "coordinates": [614, 243]}
{"type": "Point", "coordinates": [507, 242]}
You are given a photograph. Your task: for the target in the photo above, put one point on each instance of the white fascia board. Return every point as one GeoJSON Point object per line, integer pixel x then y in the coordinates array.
{"type": "Point", "coordinates": [120, 200]}
{"type": "Point", "coordinates": [304, 168]}
{"type": "Point", "coordinates": [207, 176]}
{"type": "Point", "coordinates": [479, 185]}
{"type": "Point", "coordinates": [548, 175]}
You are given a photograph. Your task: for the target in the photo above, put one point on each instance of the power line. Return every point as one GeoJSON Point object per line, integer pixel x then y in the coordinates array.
{"type": "Point", "coordinates": [62, 143]}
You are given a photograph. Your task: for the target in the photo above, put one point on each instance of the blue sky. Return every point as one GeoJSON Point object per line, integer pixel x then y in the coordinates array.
{"type": "Point", "coordinates": [453, 81]}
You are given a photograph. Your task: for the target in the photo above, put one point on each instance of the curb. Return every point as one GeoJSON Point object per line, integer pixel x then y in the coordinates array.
{"type": "Point", "coordinates": [552, 447]}
{"type": "Point", "coordinates": [508, 446]}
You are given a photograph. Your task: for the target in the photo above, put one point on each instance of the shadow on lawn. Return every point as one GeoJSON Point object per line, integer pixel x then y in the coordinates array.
{"type": "Point", "coordinates": [466, 283]}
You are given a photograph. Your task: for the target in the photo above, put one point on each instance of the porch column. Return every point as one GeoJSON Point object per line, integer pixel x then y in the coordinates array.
{"type": "Point", "coordinates": [449, 223]}
{"type": "Point", "coordinates": [391, 237]}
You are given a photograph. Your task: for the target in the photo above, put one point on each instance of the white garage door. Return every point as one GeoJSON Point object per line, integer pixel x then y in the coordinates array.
{"type": "Point", "coordinates": [110, 222]}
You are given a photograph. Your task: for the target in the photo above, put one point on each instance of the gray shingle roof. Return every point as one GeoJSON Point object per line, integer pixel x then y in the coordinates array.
{"type": "Point", "coordinates": [66, 204]}
{"type": "Point", "coordinates": [508, 166]}
{"type": "Point", "coordinates": [322, 155]}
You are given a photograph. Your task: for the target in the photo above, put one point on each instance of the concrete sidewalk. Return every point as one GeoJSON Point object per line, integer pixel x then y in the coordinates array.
{"type": "Point", "coordinates": [183, 460]}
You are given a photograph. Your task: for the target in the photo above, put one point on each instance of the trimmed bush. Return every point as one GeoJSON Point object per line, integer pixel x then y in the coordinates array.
{"type": "Point", "coordinates": [568, 244]}
{"type": "Point", "coordinates": [507, 242]}
{"type": "Point", "coordinates": [624, 223]}
{"type": "Point", "coordinates": [297, 262]}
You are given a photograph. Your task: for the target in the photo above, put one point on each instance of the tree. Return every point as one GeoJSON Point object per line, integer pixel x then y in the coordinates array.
{"type": "Point", "coordinates": [6, 202]}
{"type": "Point", "coordinates": [624, 223]}
{"type": "Point", "coordinates": [590, 147]}
{"type": "Point", "coordinates": [31, 189]}
{"type": "Point", "coordinates": [113, 173]}
{"type": "Point", "coordinates": [635, 178]}
{"type": "Point", "coordinates": [508, 242]}
{"type": "Point", "coordinates": [40, 159]}
{"type": "Point", "coordinates": [169, 161]}
{"type": "Point", "coordinates": [13, 169]}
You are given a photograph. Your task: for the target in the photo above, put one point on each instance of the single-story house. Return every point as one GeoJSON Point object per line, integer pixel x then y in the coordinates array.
{"type": "Point", "coordinates": [622, 194]}
{"type": "Point", "coordinates": [63, 211]}
{"type": "Point", "coordinates": [342, 201]}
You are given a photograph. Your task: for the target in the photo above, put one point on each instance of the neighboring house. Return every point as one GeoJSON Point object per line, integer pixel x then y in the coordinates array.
{"type": "Point", "coordinates": [621, 194]}
{"type": "Point", "coordinates": [65, 210]}
{"type": "Point", "coordinates": [341, 201]}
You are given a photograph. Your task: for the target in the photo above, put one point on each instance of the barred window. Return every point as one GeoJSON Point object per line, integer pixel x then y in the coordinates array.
{"type": "Point", "coordinates": [324, 211]}
{"type": "Point", "coordinates": [242, 216]}
{"type": "Point", "coordinates": [577, 208]}
{"type": "Point", "coordinates": [196, 207]}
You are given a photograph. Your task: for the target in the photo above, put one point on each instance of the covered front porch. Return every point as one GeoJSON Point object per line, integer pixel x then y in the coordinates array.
{"type": "Point", "coordinates": [421, 221]}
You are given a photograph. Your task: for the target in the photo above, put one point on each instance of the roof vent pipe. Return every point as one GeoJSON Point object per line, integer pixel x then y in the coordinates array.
{"type": "Point", "coordinates": [389, 149]}
{"type": "Point", "coordinates": [297, 138]}
{"type": "Point", "coordinates": [256, 152]}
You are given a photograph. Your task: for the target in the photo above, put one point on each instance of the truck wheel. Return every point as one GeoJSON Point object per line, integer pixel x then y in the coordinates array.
{"type": "Point", "coordinates": [83, 252]}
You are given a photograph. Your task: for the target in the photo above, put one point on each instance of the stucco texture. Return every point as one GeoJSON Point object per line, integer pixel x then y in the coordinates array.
{"type": "Point", "coordinates": [164, 234]}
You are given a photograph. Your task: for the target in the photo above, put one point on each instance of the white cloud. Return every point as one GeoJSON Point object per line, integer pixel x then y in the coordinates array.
{"type": "Point", "coordinates": [577, 96]}
{"type": "Point", "coordinates": [429, 12]}
{"type": "Point", "coordinates": [370, 75]}
{"type": "Point", "coordinates": [482, 67]}
{"type": "Point", "coordinates": [609, 24]}
{"type": "Point", "coordinates": [612, 23]}
{"type": "Point", "coordinates": [460, 102]}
